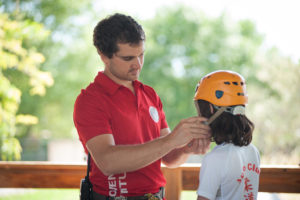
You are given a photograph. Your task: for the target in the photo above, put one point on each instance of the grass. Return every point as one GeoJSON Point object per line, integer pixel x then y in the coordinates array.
{"type": "Point", "coordinates": [67, 194]}
{"type": "Point", "coordinates": [45, 194]}
{"type": "Point", "coordinates": [73, 194]}
{"type": "Point", "coordinates": [188, 195]}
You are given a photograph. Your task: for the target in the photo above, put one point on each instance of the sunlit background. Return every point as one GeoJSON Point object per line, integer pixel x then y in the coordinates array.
{"type": "Point", "coordinates": [47, 57]}
{"type": "Point", "coordinates": [277, 20]}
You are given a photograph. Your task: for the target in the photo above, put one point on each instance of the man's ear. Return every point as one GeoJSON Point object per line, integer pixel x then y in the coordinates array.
{"type": "Point", "coordinates": [103, 57]}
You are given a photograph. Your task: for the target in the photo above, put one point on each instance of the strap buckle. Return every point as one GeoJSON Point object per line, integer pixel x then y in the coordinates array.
{"type": "Point", "coordinates": [120, 198]}
{"type": "Point", "coordinates": [152, 197]}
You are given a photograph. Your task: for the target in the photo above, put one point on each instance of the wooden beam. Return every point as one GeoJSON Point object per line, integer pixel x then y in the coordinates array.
{"type": "Point", "coordinates": [280, 179]}
{"type": "Point", "coordinates": [284, 179]}
{"type": "Point", "coordinates": [40, 175]}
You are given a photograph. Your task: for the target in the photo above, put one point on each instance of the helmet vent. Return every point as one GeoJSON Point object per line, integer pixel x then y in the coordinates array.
{"type": "Point", "coordinates": [219, 94]}
{"type": "Point", "coordinates": [235, 83]}
{"type": "Point", "coordinates": [227, 83]}
{"type": "Point", "coordinates": [242, 83]}
{"type": "Point", "coordinates": [240, 94]}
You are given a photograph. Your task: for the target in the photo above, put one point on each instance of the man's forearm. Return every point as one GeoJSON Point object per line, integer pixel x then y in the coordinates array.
{"type": "Point", "coordinates": [113, 159]}
{"type": "Point", "coordinates": [179, 156]}
{"type": "Point", "coordinates": [175, 158]}
{"type": "Point", "coordinates": [126, 158]}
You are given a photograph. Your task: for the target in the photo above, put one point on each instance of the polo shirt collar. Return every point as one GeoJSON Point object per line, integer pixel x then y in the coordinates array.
{"type": "Point", "coordinates": [110, 86]}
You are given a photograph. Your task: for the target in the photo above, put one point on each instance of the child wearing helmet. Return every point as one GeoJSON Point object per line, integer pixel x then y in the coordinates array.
{"type": "Point", "coordinates": [231, 170]}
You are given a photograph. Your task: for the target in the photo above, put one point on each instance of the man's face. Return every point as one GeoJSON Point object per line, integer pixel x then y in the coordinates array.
{"type": "Point", "coordinates": [126, 64]}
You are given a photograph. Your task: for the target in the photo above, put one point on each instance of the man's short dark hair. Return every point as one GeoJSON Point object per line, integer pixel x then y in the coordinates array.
{"type": "Point", "coordinates": [228, 128]}
{"type": "Point", "coordinates": [117, 28]}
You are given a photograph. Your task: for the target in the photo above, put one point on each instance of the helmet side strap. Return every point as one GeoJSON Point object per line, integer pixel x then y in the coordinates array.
{"type": "Point", "coordinates": [214, 116]}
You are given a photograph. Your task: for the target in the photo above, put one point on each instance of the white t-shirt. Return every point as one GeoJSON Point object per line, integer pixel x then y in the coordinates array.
{"type": "Point", "coordinates": [230, 172]}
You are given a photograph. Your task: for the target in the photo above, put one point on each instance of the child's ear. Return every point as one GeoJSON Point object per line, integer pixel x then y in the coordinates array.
{"type": "Point", "coordinates": [197, 108]}
{"type": "Point", "coordinates": [211, 108]}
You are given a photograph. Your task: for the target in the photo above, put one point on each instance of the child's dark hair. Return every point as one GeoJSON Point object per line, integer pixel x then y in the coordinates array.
{"type": "Point", "coordinates": [117, 28]}
{"type": "Point", "coordinates": [228, 128]}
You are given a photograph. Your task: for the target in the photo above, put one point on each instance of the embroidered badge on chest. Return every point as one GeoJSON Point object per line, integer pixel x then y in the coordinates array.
{"type": "Point", "coordinates": [154, 114]}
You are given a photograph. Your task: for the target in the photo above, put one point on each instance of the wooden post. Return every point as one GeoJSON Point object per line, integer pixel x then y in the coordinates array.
{"type": "Point", "coordinates": [174, 183]}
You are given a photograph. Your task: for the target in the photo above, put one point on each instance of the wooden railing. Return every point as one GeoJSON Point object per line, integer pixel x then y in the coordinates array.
{"type": "Point", "coordinates": [279, 179]}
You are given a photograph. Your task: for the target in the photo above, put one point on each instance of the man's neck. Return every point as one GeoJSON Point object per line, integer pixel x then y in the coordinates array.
{"type": "Point", "coordinates": [125, 83]}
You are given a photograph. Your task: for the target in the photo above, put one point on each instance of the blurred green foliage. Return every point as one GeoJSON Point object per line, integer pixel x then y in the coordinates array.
{"type": "Point", "coordinates": [18, 59]}
{"type": "Point", "coordinates": [182, 45]}
{"type": "Point", "coordinates": [275, 109]}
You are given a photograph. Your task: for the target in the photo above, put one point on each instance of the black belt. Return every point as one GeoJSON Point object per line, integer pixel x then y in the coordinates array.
{"type": "Point", "coordinates": [157, 196]}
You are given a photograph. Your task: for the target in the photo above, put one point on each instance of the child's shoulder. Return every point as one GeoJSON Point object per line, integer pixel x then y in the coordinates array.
{"type": "Point", "coordinates": [225, 149]}
{"type": "Point", "coordinates": [219, 152]}
{"type": "Point", "coordinates": [229, 150]}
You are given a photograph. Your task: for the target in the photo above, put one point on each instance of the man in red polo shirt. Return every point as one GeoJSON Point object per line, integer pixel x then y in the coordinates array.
{"type": "Point", "coordinates": [121, 122]}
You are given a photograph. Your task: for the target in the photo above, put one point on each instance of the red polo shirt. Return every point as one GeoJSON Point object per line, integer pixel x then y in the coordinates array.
{"type": "Point", "coordinates": [107, 107]}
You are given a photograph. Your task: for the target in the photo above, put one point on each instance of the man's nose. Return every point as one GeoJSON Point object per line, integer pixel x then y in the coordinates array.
{"type": "Point", "coordinates": [138, 62]}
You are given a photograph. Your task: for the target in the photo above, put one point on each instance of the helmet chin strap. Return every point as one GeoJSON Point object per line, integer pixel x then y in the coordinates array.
{"type": "Point", "coordinates": [234, 110]}
{"type": "Point", "coordinates": [214, 116]}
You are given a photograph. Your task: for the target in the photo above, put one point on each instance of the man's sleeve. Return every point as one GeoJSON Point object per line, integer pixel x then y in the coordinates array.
{"type": "Point", "coordinates": [162, 116]}
{"type": "Point", "coordinates": [90, 119]}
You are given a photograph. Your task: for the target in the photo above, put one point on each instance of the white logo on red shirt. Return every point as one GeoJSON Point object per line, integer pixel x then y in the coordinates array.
{"type": "Point", "coordinates": [154, 114]}
{"type": "Point", "coordinates": [113, 183]}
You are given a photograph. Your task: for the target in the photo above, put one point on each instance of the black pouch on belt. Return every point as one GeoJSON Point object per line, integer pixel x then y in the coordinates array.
{"type": "Point", "coordinates": [86, 187]}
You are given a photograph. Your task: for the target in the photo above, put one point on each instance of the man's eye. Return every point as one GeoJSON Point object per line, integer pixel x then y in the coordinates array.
{"type": "Point", "coordinates": [127, 58]}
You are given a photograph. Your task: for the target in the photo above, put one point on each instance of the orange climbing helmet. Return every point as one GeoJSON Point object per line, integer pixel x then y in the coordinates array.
{"type": "Point", "coordinates": [222, 88]}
